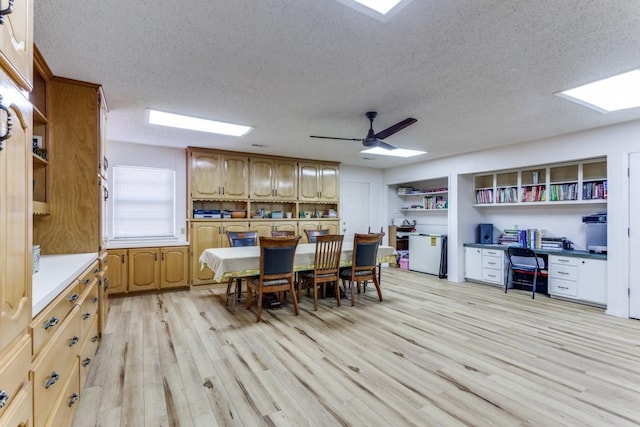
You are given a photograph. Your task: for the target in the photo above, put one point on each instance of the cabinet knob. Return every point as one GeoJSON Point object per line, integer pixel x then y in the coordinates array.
{"type": "Point", "coordinates": [8, 120]}
{"type": "Point", "coordinates": [86, 362]}
{"type": "Point", "coordinates": [94, 338]}
{"type": "Point", "coordinates": [73, 341]}
{"type": "Point", "coordinates": [50, 323]}
{"type": "Point", "coordinates": [73, 297]}
{"type": "Point", "coordinates": [86, 281]}
{"type": "Point", "coordinates": [7, 11]}
{"type": "Point", "coordinates": [73, 399]}
{"type": "Point", "coordinates": [4, 398]}
{"type": "Point", "coordinates": [53, 378]}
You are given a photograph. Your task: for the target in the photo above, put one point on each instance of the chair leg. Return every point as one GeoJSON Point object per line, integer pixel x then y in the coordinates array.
{"type": "Point", "coordinates": [353, 292]}
{"type": "Point", "coordinates": [229, 293]}
{"type": "Point", "coordinates": [315, 295]}
{"type": "Point", "coordinates": [377, 284]}
{"type": "Point", "coordinates": [337, 286]}
{"type": "Point", "coordinates": [295, 300]}
{"type": "Point", "coordinates": [535, 277]}
{"type": "Point", "coordinates": [506, 280]}
{"type": "Point", "coordinates": [259, 309]}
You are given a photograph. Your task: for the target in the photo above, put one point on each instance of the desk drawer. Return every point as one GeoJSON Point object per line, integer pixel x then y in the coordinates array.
{"type": "Point", "coordinates": [563, 260]}
{"type": "Point", "coordinates": [492, 276]}
{"type": "Point", "coordinates": [67, 404]}
{"type": "Point", "coordinates": [88, 352]}
{"type": "Point", "coordinates": [563, 287]}
{"type": "Point", "coordinates": [89, 275]}
{"type": "Point", "coordinates": [496, 253]}
{"type": "Point", "coordinates": [19, 412]}
{"type": "Point", "coordinates": [493, 263]}
{"type": "Point", "coordinates": [563, 272]}
{"type": "Point", "coordinates": [89, 308]}
{"type": "Point", "coordinates": [48, 321]}
{"type": "Point", "coordinates": [14, 368]}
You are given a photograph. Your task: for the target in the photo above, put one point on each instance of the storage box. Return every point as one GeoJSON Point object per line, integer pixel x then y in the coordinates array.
{"type": "Point", "coordinates": [404, 263]}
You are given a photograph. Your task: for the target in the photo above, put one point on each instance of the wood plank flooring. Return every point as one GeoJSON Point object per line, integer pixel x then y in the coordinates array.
{"type": "Point", "coordinates": [432, 353]}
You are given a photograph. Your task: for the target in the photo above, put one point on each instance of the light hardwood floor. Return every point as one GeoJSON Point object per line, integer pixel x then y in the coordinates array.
{"type": "Point", "coordinates": [432, 353]}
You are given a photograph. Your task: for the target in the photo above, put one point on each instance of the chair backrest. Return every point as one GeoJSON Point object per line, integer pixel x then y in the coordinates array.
{"type": "Point", "coordinates": [524, 256]}
{"type": "Point", "coordinates": [312, 234]}
{"type": "Point", "coordinates": [328, 251]}
{"type": "Point", "coordinates": [365, 250]}
{"type": "Point", "coordinates": [282, 234]}
{"type": "Point", "coordinates": [276, 256]}
{"type": "Point", "coordinates": [242, 238]}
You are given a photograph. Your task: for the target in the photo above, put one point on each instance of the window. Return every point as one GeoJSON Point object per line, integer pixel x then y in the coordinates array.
{"type": "Point", "coordinates": [143, 203]}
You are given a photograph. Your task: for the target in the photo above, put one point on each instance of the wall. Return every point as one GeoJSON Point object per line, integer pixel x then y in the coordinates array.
{"type": "Point", "coordinates": [127, 154]}
{"type": "Point", "coordinates": [613, 142]}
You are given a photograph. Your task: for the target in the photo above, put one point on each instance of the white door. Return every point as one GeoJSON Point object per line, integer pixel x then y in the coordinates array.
{"type": "Point", "coordinates": [355, 214]}
{"type": "Point", "coordinates": [634, 241]}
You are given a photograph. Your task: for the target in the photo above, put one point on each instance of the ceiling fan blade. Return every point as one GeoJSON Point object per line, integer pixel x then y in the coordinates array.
{"type": "Point", "coordinates": [386, 146]}
{"type": "Point", "coordinates": [395, 128]}
{"type": "Point", "coordinates": [330, 137]}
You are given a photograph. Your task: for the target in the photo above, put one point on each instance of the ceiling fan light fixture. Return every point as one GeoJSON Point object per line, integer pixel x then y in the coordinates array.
{"type": "Point", "coordinates": [180, 121]}
{"type": "Point", "coordinates": [398, 152]}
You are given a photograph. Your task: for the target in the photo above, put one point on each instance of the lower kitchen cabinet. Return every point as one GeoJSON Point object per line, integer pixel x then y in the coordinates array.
{"type": "Point", "coordinates": [582, 279]}
{"type": "Point", "coordinates": [484, 265]}
{"type": "Point", "coordinates": [144, 269]}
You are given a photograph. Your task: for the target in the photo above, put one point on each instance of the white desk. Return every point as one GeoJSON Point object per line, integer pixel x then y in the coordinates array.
{"type": "Point", "coordinates": [245, 261]}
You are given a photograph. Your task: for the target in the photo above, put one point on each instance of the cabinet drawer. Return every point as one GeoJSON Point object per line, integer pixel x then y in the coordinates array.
{"type": "Point", "coordinates": [48, 321]}
{"type": "Point", "coordinates": [563, 260]}
{"type": "Point", "coordinates": [14, 369]}
{"type": "Point", "coordinates": [19, 412]}
{"type": "Point", "coordinates": [53, 366]}
{"type": "Point", "coordinates": [88, 352]}
{"type": "Point", "coordinates": [563, 287]}
{"type": "Point", "coordinates": [67, 404]}
{"type": "Point", "coordinates": [492, 276]}
{"type": "Point", "coordinates": [497, 253]}
{"type": "Point", "coordinates": [492, 263]}
{"type": "Point", "coordinates": [89, 275]}
{"type": "Point", "coordinates": [563, 272]}
{"type": "Point", "coordinates": [88, 308]}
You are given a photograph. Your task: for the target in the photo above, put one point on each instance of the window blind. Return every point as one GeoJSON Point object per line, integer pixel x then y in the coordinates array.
{"type": "Point", "coordinates": [143, 202]}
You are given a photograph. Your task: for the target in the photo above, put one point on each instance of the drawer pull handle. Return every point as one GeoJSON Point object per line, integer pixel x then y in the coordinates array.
{"type": "Point", "coordinates": [6, 11]}
{"type": "Point", "coordinates": [86, 281]}
{"type": "Point", "coordinates": [563, 260]}
{"type": "Point", "coordinates": [86, 316]}
{"type": "Point", "coordinates": [50, 323]}
{"type": "Point", "coordinates": [86, 362]}
{"type": "Point", "coordinates": [73, 341]}
{"type": "Point", "coordinates": [53, 378]}
{"type": "Point", "coordinates": [74, 297]}
{"type": "Point", "coordinates": [94, 338]}
{"type": "Point", "coordinates": [4, 398]}
{"type": "Point", "coordinates": [563, 287]}
{"type": "Point", "coordinates": [74, 399]}
{"type": "Point", "coordinates": [491, 263]}
{"type": "Point", "coordinates": [96, 271]}
{"type": "Point", "coordinates": [94, 300]}
{"type": "Point", "coordinates": [563, 272]}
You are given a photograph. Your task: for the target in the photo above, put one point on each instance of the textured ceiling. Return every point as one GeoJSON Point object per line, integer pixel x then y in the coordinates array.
{"type": "Point", "coordinates": [475, 73]}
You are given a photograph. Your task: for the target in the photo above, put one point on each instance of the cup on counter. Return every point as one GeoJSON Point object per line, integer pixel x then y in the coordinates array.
{"type": "Point", "coordinates": [307, 215]}
{"type": "Point", "coordinates": [289, 215]}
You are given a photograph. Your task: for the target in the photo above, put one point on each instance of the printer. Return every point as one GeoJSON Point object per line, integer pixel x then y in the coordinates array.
{"type": "Point", "coordinates": [596, 228]}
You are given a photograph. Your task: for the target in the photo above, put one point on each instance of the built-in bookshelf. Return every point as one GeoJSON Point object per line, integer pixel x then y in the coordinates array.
{"type": "Point", "coordinates": [428, 196]}
{"type": "Point", "coordinates": [572, 183]}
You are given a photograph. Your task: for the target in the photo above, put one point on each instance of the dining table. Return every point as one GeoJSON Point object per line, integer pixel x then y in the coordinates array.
{"type": "Point", "coordinates": [244, 261]}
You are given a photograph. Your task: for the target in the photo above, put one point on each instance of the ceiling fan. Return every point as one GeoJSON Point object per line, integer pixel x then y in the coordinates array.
{"type": "Point", "coordinates": [376, 139]}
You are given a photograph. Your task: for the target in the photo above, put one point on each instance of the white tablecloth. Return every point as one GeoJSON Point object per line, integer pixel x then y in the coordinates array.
{"type": "Point", "coordinates": [245, 261]}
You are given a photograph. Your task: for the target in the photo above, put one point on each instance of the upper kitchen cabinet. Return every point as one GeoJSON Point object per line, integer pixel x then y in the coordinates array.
{"type": "Point", "coordinates": [318, 181]}
{"type": "Point", "coordinates": [76, 116]}
{"type": "Point", "coordinates": [273, 179]}
{"type": "Point", "coordinates": [216, 175]}
{"type": "Point", "coordinates": [16, 41]}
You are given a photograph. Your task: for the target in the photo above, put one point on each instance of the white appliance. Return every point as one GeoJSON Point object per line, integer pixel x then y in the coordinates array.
{"type": "Point", "coordinates": [427, 253]}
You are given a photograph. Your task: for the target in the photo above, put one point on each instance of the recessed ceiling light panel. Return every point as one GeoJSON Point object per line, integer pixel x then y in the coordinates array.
{"type": "Point", "coordinates": [161, 118]}
{"type": "Point", "coordinates": [611, 94]}
{"type": "Point", "coordinates": [381, 10]}
{"type": "Point", "coordinates": [398, 152]}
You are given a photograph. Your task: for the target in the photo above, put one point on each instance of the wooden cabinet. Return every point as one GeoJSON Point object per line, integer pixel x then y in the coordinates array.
{"type": "Point", "coordinates": [103, 283]}
{"type": "Point", "coordinates": [118, 271]}
{"type": "Point", "coordinates": [273, 179]}
{"type": "Point", "coordinates": [582, 279]}
{"type": "Point", "coordinates": [174, 271]}
{"type": "Point", "coordinates": [473, 264]}
{"type": "Point", "coordinates": [16, 42]}
{"type": "Point", "coordinates": [318, 181]}
{"type": "Point", "coordinates": [215, 175]}
{"type": "Point", "coordinates": [14, 367]}
{"type": "Point", "coordinates": [144, 269]}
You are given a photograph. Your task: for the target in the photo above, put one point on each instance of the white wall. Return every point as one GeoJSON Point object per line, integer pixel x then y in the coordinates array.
{"type": "Point", "coordinates": [126, 154]}
{"type": "Point", "coordinates": [613, 142]}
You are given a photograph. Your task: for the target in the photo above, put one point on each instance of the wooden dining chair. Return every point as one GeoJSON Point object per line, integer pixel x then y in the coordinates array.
{"type": "Point", "coordinates": [238, 239]}
{"type": "Point", "coordinates": [326, 267]}
{"type": "Point", "coordinates": [312, 234]}
{"type": "Point", "coordinates": [363, 263]}
{"type": "Point", "coordinates": [276, 270]}
{"type": "Point", "coordinates": [283, 233]}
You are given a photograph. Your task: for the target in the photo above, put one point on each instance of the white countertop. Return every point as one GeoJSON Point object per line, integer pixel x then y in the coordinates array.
{"type": "Point", "coordinates": [125, 244]}
{"type": "Point", "coordinates": [55, 274]}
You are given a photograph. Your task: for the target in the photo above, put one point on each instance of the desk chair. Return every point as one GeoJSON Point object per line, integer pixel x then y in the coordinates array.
{"type": "Point", "coordinates": [276, 270]}
{"type": "Point", "coordinates": [236, 239]}
{"type": "Point", "coordinates": [363, 264]}
{"type": "Point", "coordinates": [282, 234]}
{"type": "Point", "coordinates": [312, 234]}
{"type": "Point", "coordinates": [524, 264]}
{"type": "Point", "coordinates": [326, 267]}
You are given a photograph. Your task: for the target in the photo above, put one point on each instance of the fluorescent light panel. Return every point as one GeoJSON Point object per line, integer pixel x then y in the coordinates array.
{"type": "Point", "coordinates": [611, 94]}
{"type": "Point", "coordinates": [380, 6]}
{"type": "Point", "coordinates": [193, 123]}
{"type": "Point", "coordinates": [398, 152]}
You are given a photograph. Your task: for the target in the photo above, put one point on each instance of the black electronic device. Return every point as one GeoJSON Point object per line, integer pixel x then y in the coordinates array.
{"type": "Point", "coordinates": [484, 234]}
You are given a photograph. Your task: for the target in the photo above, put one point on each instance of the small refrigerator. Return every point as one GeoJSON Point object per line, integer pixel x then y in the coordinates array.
{"type": "Point", "coordinates": [428, 254]}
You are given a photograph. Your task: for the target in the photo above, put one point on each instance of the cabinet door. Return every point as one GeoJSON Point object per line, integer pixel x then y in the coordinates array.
{"type": "Point", "coordinates": [329, 183]}
{"type": "Point", "coordinates": [16, 42]}
{"type": "Point", "coordinates": [235, 177]}
{"type": "Point", "coordinates": [174, 267]}
{"type": "Point", "coordinates": [263, 228]}
{"type": "Point", "coordinates": [286, 226]}
{"type": "Point", "coordinates": [231, 226]}
{"type": "Point", "coordinates": [592, 280]}
{"type": "Point", "coordinates": [332, 226]}
{"type": "Point", "coordinates": [118, 271]}
{"type": "Point", "coordinates": [286, 180]}
{"type": "Point", "coordinates": [144, 269]}
{"type": "Point", "coordinates": [308, 177]}
{"type": "Point", "coordinates": [262, 178]}
{"type": "Point", "coordinates": [204, 235]}
{"type": "Point", "coordinates": [473, 263]}
{"type": "Point", "coordinates": [205, 175]}
{"type": "Point", "coordinates": [15, 217]}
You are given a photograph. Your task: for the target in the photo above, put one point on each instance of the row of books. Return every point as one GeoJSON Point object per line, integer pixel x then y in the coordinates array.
{"type": "Point", "coordinates": [529, 238]}
{"type": "Point", "coordinates": [435, 202]}
{"type": "Point", "coordinates": [484, 196]}
{"type": "Point", "coordinates": [594, 190]}
{"type": "Point", "coordinates": [559, 192]}
{"type": "Point", "coordinates": [534, 193]}
{"type": "Point", "coordinates": [507, 195]}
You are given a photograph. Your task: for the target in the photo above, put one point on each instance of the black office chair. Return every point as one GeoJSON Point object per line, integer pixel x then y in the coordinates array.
{"type": "Point", "coordinates": [525, 267]}
{"type": "Point", "coordinates": [363, 263]}
{"type": "Point", "coordinates": [311, 234]}
{"type": "Point", "coordinates": [237, 239]}
{"type": "Point", "coordinates": [276, 270]}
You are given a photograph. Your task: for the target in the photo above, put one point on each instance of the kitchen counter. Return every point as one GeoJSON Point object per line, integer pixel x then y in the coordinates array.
{"type": "Point", "coordinates": [55, 274]}
{"type": "Point", "coordinates": [572, 253]}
